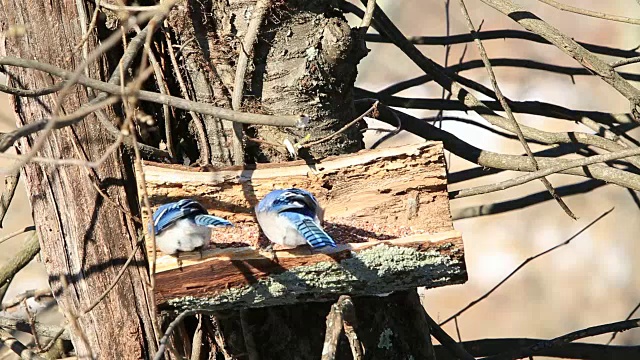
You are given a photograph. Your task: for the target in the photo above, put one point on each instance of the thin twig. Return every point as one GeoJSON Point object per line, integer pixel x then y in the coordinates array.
{"type": "Point", "coordinates": [343, 129]}
{"type": "Point", "coordinates": [623, 62]}
{"type": "Point", "coordinates": [165, 338]}
{"type": "Point", "coordinates": [447, 341]}
{"type": "Point", "coordinates": [567, 45]}
{"type": "Point", "coordinates": [163, 89]}
{"type": "Point", "coordinates": [31, 93]}
{"type": "Point", "coordinates": [203, 142]}
{"type": "Point", "coordinates": [142, 188]}
{"type": "Point", "coordinates": [496, 160]}
{"type": "Point", "coordinates": [16, 233]}
{"type": "Point", "coordinates": [531, 133]}
{"type": "Point", "coordinates": [528, 260]}
{"type": "Point", "coordinates": [544, 172]}
{"type": "Point", "coordinates": [10, 185]}
{"type": "Point", "coordinates": [507, 109]}
{"type": "Point", "coordinates": [245, 50]}
{"type": "Point", "coordinates": [613, 336]}
{"type": "Point", "coordinates": [73, 77]}
{"type": "Point", "coordinates": [115, 280]}
{"type": "Point", "coordinates": [36, 294]}
{"type": "Point", "coordinates": [32, 322]}
{"type": "Point", "coordinates": [595, 14]}
{"type": "Point", "coordinates": [222, 113]}
{"type": "Point", "coordinates": [489, 347]}
{"type": "Point", "coordinates": [91, 27]}
{"type": "Point", "coordinates": [128, 8]}
{"type": "Point", "coordinates": [490, 35]}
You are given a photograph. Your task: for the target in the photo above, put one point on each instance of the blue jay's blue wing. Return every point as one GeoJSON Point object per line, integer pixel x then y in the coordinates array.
{"type": "Point", "coordinates": [211, 221]}
{"type": "Point", "coordinates": [290, 199]}
{"type": "Point", "coordinates": [167, 214]}
{"type": "Point", "coordinates": [312, 233]}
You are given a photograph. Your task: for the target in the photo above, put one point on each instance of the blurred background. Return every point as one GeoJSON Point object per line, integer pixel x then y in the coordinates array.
{"type": "Point", "coordinates": [593, 280]}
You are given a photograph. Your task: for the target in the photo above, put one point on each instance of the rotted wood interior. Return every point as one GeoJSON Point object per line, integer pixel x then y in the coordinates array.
{"type": "Point", "coordinates": [387, 209]}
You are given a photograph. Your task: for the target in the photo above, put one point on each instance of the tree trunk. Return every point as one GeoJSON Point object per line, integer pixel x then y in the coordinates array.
{"type": "Point", "coordinates": [84, 239]}
{"type": "Point", "coordinates": [304, 63]}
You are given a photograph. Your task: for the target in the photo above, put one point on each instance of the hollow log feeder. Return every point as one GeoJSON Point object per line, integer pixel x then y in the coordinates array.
{"type": "Point", "coordinates": [387, 209]}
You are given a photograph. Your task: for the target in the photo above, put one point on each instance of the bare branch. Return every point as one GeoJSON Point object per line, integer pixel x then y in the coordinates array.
{"type": "Point", "coordinates": [489, 347]}
{"type": "Point", "coordinates": [245, 50]}
{"type": "Point", "coordinates": [613, 336]}
{"type": "Point", "coordinates": [245, 118]}
{"type": "Point", "coordinates": [565, 339]}
{"type": "Point", "coordinates": [495, 160]}
{"type": "Point", "coordinates": [526, 107]}
{"type": "Point", "coordinates": [17, 347]}
{"type": "Point", "coordinates": [447, 341]}
{"type": "Point", "coordinates": [595, 14]}
{"type": "Point", "coordinates": [507, 109]}
{"type": "Point", "coordinates": [547, 171]}
{"type": "Point", "coordinates": [203, 144]}
{"type": "Point", "coordinates": [343, 129]}
{"type": "Point", "coordinates": [31, 93]}
{"type": "Point", "coordinates": [16, 233]}
{"type": "Point", "coordinates": [567, 45]}
{"type": "Point", "coordinates": [29, 250]}
{"type": "Point", "coordinates": [525, 201]}
{"type": "Point", "coordinates": [36, 294]}
{"type": "Point", "coordinates": [528, 260]}
{"type": "Point", "coordinates": [49, 331]}
{"type": "Point", "coordinates": [491, 35]}
{"type": "Point", "coordinates": [10, 185]}
{"type": "Point", "coordinates": [368, 16]}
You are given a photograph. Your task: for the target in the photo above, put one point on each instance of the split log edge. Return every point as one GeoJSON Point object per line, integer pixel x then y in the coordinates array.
{"type": "Point", "coordinates": [388, 209]}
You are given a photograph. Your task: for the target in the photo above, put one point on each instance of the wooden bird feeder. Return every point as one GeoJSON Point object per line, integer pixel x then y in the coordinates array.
{"type": "Point", "coordinates": [387, 209]}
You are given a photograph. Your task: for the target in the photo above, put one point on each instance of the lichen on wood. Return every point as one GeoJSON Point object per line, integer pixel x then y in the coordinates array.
{"type": "Point", "coordinates": [375, 270]}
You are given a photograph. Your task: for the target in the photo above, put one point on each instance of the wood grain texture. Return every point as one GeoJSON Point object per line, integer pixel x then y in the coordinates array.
{"type": "Point", "coordinates": [252, 279]}
{"type": "Point", "coordinates": [387, 209]}
{"type": "Point", "coordinates": [83, 239]}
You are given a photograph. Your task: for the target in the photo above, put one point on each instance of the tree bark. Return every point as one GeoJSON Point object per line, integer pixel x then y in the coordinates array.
{"type": "Point", "coordinates": [305, 63]}
{"type": "Point", "coordinates": [84, 239]}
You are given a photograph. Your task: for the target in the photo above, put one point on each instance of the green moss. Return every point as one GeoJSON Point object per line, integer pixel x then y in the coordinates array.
{"type": "Point", "coordinates": [376, 270]}
{"type": "Point", "coordinates": [385, 339]}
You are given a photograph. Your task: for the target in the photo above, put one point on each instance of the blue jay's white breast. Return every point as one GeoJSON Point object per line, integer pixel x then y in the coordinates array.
{"type": "Point", "coordinates": [279, 229]}
{"type": "Point", "coordinates": [183, 235]}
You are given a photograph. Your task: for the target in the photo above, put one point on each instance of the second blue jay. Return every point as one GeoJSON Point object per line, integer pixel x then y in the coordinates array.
{"type": "Point", "coordinates": [184, 226]}
{"type": "Point", "coordinates": [290, 217]}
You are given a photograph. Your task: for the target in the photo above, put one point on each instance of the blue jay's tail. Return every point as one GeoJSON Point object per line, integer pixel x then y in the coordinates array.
{"type": "Point", "coordinates": [210, 221]}
{"type": "Point", "coordinates": [315, 236]}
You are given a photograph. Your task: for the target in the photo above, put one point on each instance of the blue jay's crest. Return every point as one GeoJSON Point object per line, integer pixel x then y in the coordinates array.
{"type": "Point", "coordinates": [291, 217]}
{"type": "Point", "coordinates": [168, 214]}
{"type": "Point", "coordinates": [211, 221]}
{"type": "Point", "coordinates": [290, 199]}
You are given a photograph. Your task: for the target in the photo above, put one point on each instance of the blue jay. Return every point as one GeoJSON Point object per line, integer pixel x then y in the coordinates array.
{"type": "Point", "coordinates": [183, 226]}
{"type": "Point", "coordinates": [290, 217]}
